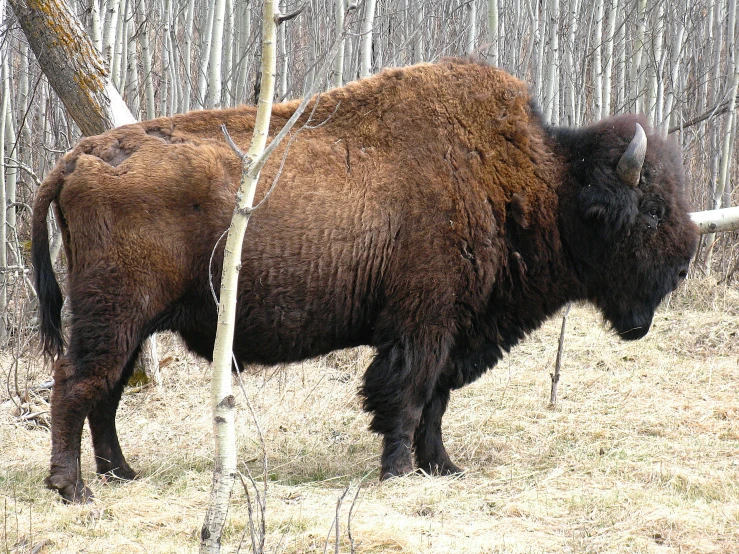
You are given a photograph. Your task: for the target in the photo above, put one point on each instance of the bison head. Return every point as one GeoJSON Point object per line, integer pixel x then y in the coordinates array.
{"type": "Point", "coordinates": [623, 219]}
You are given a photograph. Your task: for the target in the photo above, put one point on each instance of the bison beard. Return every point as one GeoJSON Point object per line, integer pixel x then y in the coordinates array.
{"type": "Point", "coordinates": [433, 216]}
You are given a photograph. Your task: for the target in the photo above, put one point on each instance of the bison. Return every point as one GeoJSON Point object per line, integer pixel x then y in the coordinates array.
{"type": "Point", "coordinates": [428, 211]}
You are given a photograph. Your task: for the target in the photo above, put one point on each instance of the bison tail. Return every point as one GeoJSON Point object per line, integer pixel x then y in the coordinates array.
{"type": "Point", "coordinates": [47, 287]}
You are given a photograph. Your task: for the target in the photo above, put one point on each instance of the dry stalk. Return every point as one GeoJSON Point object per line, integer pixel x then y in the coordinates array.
{"type": "Point", "coordinates": [335, 522]}
{"type": "Point", "coordinates": [558, 363]}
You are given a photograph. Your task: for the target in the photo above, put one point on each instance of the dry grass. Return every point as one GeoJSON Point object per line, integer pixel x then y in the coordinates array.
{"type": "Point", "coordinates": [640, 455]}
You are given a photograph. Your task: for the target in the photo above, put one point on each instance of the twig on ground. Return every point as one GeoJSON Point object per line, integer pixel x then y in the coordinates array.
{"type": "Point", "coordinates": [558, 363]}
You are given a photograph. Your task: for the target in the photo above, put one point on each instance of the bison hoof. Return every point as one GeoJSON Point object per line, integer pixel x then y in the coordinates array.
{"type": "Point", "coordinates": [399, 471]}
{"type": "Point", "coordinates": [71, 491]}
{"type": "Point", "coordinates": [441, 468]}
{"type": "Point", "coordinates": [118, 474]}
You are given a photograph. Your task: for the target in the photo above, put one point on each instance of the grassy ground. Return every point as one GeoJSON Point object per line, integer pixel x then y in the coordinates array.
{"type": "Point", "coordinates": [641, 453]}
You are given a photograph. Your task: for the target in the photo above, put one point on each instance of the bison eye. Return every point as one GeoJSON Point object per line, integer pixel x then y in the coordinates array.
{"type": "Point", "coordinates": [653, 217]}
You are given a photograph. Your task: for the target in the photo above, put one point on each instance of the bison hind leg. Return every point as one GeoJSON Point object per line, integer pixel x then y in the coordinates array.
{"type": "Point", "coordinates": [71, 398]}
{"type": "Point", "coordinates": [88, 382]}
{"type": "Point", "coordinates": [109, 459]}
{"type": "Point", "coordinates": [431, 455]}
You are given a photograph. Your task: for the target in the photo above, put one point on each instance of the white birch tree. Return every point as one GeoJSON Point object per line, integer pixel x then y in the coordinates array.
{"type": "Point", "coordinates": [492, 31]}
{"type": "Point", "coordinates": [471, 8]}
{"type": "Point", "coordinates": [338, 73]}
{"type": "Point", "coordinates": [608, 71]}
{"type": "Point", "coordinates": [222, 399]}
{"type": "Point", "coordinates": [213, 97]}
{"type": "Point", "coordinates": [365, 49]}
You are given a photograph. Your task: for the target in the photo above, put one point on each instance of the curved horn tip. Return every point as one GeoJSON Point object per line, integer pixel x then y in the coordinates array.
{"type": "Point", "coordinates": [640, 133]}
{"type": "Point", "coordinates": [630, 165]}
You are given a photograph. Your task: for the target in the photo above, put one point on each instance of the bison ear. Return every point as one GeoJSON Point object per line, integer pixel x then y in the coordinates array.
{"type": "Point", "coordinates": [630, 164]}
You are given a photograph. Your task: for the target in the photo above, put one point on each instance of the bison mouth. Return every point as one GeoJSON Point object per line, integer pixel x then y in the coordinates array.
{"type": "Point", "coordinates": [632, 318]}
{"type": "Point", "coordinates": [634, 333]}
{"type": "Point", "coordinates": [631, 324]}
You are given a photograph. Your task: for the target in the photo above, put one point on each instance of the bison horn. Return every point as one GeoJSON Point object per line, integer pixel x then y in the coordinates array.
{"type": "Point", "coordinates": [629, 166]}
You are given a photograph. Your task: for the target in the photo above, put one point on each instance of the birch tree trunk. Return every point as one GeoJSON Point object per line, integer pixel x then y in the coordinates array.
{"type": "Point", "coordinates": [365, 48]}
{"type": "Point", "coordinates": [4, 113]}
{"type": "Point", "coordinates": [621, 73]}
{"type": "Point", "coordinates": [493, 31]}
{"type": "Point", "coordinates": [637, 75]}
{"type": "Point", "coordinates": [140, 18]}
{"type": "Point", "coordinates": [242, 54]}
{"type": "Point", "coordinates": [338, 75]}
{"type": "Point", "coordinates": [96, 32]}
{"type": "Point", "coordinates": [205, 48]}
{"type": "Point", "coordinates": [111, 25]}
{"type": "Point", "coordinates": [597, 66]}
{"type": "Point", "coordinates": [726, 153]}
{"type": "Point", "coordinates": [677, 45]}
{"type": "Point", "coordinates": [222, 399]}
{"type": "Point", "coordinates": [187, 55]}
{"type": "Point", "coordinates": [282, 42]}
{"type": "Point", "coordinates": [733, 71]}
{"type": "Point", "coordinates": [570, 92]}
{"type": "Point", "coordinates": [607, 73]}
{"type": "Point", "coordinates": [471, 26]}
{"type": "Point", "coordinates": [551, 114]}
{"type": "Point", "coordinates": [216, 55]}
{"type": "Point", "coordinates": [72, 65]}
{"type": "Point", "coordinates": [227, 71]}
{"type": "Point", "coordinates": [653, 104]}
{"type": "Point", "coordinates": [115, 60]}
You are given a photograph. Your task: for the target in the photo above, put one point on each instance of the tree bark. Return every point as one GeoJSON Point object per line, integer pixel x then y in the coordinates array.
{"type": "Point", "coordinates": [551, 114]}
{"type": "Point", "coordinates": [726, 153]}
{"type": "Point", "coordinates": [72, 65]}
{"type": "Point", "coordinates": [597, 60]}
{"type": "Point", "coordinates": [365, 49]}
{"type": "Point", "coordinates": [338, 75]}
{"type": "Point", "coordinates": [493, 31]}
{"type": "Point", "coordinates": [213, 98]}
{"type": "Point", "coordinates": [608, 72]}
{"type": "Point", "coordinates": [471, 27]}
{"type": "Point", "coordinates": [638, 54]}
{"type": "Point", "coordinates": [715, 221]}
{"type": "Point", "coordinates": [4, 113]}
{"type": "Point", "coordinates": [146, 56]}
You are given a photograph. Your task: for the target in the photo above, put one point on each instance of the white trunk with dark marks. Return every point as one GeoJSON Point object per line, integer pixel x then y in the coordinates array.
{"type": "Point", "coordinates": [222, 399]}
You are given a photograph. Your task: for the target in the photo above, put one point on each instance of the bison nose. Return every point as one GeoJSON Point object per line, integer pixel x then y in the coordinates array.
{"type": "Point", "coordinates": [683, 272]}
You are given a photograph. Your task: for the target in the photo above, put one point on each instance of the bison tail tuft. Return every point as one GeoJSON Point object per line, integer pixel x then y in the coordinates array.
{"type": "Point", "coordinates": [47, 287]}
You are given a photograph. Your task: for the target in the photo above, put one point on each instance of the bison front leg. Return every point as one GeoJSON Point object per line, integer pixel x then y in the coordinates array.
{"type": "Point", "coordinates": [431, 455]}
{"type": "Point", "coordinates": [397, 385]}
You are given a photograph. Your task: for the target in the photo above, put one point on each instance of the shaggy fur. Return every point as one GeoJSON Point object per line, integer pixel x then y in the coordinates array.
{"type": "Point", "coordinates": [433, 216]}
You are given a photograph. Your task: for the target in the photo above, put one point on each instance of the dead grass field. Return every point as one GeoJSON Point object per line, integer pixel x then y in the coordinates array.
{"type": "Point", "coordinates": [640, 455]}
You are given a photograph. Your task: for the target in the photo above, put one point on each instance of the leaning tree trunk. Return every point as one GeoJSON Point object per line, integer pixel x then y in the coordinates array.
{"type": "Point", "coordinates": [76, 72]}
{"type": "Point", "coordinates": [72, 65]}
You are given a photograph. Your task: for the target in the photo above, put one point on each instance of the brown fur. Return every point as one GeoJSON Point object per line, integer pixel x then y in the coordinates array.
{"type": "Point", "coordinates": [433, 216]}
